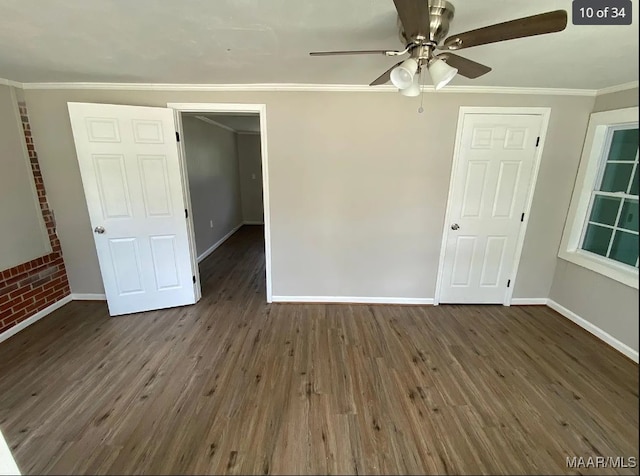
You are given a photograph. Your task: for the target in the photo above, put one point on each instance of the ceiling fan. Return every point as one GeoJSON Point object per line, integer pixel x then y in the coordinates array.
{"type": "Point", "coordinates": [423, 24]}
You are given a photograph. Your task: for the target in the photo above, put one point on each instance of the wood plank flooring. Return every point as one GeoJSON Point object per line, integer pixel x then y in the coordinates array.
{"type": "Point", "coordinates": [234, 386]}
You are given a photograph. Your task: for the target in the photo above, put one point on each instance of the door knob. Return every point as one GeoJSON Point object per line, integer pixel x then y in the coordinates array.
{"type": "Point", "coordinates": [455, 226]}
{"type": "Point", "coordinates": [99, 230]}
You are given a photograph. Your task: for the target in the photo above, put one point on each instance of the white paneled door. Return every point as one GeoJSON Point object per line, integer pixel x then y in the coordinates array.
{"type": "Point", "coordinates": [132, 181]}
{"type": "Point", "coordinates": [491, 183]}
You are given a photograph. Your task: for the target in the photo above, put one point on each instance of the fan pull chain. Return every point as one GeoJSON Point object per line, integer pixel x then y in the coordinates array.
{"type": "Point", "coordinates": [421, 82]}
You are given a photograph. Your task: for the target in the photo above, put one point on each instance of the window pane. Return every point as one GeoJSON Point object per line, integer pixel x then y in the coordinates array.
{"type": "Point", "coordinates": [605, 210]}
{"type": "Point", "coordinates": [629, 215]}
{"type": "Point", "coordinates": [624, 145]}
{"type": "Point", "coordinates": [597, 239]}
{"type": "Point", "coordinates": [616, 177]}
{"type": "Point", "coordinates": [634, 184]}
{"type": "Point", "coordinates": [625, 248]}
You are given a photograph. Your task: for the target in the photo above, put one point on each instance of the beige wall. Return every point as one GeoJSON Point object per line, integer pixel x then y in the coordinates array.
{"type": "Point", "coordinates": [22, 233]}
{"type": "Point", "coordinates": [251, 177]}
{"type": "Point", "coordinates": [619, 100]}
{"type": "Point", "coordinates": [214, 182]}
{"type": "Point", "coordinates": [607, 304]}
{"type": "Point", "coordinates": [358, 185]}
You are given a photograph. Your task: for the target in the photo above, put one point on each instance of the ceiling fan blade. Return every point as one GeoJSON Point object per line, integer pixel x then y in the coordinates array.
{"type": "Point", "coordinates": [414, 16]}
{"type": "Point", "coordinates": [549, 22]}
{"type": "Point", "coordinates": [466, 67]}
{"type": "Point", "coordinates": [355, 52]}
{"type": "Point", "coordinates": [384, 77]}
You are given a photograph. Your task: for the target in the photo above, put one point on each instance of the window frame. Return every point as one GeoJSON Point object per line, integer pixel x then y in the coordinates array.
{"type": "Point", "coordinates": [592, 164]}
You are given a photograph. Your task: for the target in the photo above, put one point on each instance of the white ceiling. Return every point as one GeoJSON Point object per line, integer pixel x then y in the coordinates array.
{"type": "Point", "coordinates": [267, 41]}
{"type": "Point", "coordinates": [237, 122]}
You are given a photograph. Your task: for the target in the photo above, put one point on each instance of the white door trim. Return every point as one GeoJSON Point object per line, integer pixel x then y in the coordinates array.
{"type": "Point", "coordinates": [545, 113]}
{"type": "Point", "coordinates": [261, 109]}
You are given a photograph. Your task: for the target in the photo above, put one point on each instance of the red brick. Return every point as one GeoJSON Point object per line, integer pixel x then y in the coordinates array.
{"type": "Point", "coordinates": [6, 313]}
{"type": "Point", "coordinates": [22, 305]}
{"type": "Point", "coordinates": [35, 307]}
{"type": "Point", "coordinates": [19, 316]}
{"type": "Point", "coordinates": [42, 296]}
{"type": "Point", "coordinates": [17, 295]}
{"type": "Point", "coordinates": [29, 287]}
{"type": "Point", "coordinates": [32, 293]}
{"type": "Point", "coordinates": [8, 288]}
{"type": "Point", "coordinates": [56, 297]}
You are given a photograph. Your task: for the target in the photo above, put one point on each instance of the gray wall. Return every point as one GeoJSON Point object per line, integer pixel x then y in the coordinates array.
{"type": "Point", "coordinates": [607, 304]}
{"type": "Point", "coordinates": [358, 185]}
{"type": "Point", "coordinates": [251, 177]}
{"type": "Point", "coordinates": [214, 183]}
{"type": "Point", "coordinates": [22, 233]}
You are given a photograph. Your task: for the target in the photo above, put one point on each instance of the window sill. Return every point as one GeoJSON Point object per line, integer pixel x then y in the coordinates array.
{"type": "Point", "coordinates": [621, 273]}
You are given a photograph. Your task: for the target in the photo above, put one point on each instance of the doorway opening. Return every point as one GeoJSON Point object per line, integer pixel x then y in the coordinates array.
{"type": "Point", "coordinates": [223, 159]}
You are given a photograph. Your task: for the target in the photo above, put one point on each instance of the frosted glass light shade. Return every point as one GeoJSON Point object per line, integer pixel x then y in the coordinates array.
{"type": "Point", "coordinates": [414, 89]}
{"type": "Point", "coordinates": [402, 75]}
{"type": "Point", "coordinates": [441, 73]}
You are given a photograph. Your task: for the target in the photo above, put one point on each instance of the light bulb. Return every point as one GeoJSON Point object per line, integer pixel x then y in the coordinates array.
{"type": "Point", "coordinates": [414, 89]}
{"type": "Point", "coordinates": [402, 75]}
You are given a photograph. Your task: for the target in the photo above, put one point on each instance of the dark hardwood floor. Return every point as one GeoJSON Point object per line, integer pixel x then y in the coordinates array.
{"type": "Point", "coordinates": [232, 385]}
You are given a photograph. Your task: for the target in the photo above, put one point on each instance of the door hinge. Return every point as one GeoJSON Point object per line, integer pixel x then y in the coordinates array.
{"type": "Point", "coordinates": [177, 136]}
{"type": "Point", "coordinates": [522, 217]}
{"type": "Point", "coordinates": [194, 280]}
{"type": "Point", "coordinates": [538, 141]}
{"type": "Point", "coordinates": [508, 283]}
{"type": "Point", "coordinates": [186, 213]}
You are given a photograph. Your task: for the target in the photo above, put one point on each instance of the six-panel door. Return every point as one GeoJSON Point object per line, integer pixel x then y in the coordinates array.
{"type": "Point", "coordinates": [132, 182]}
{"type": "Point", "coordinates": [490, 188]}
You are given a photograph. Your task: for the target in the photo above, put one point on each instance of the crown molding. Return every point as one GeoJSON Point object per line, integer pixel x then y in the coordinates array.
{"type": "Point", "coordinates": [8, 82]}
{"type": "Point", "coordinates": [618, 88]}
{"type": "Point", "coordinates": [283, 87]}
{"type": "Point", "coordinates": [289, 87]}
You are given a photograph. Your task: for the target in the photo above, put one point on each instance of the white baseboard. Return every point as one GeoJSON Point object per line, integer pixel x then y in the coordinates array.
{"type": "Point", "coordinates": [218, 243]}
{"type": "Point", "coordinates": [353, 300]}
{"type": "Point", "coordinates": [88, 297]}
{"type": "Point", "coordinates": [253, 223]}
{"type": "Point", "coordinates": [596, 331]}
{"type": "Point", "coordinates": [36, 317]}
{"type": "Point", "coordinates": [529, 301]}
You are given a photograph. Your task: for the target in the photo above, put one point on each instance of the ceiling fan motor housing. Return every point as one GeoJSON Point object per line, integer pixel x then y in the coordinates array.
{"type": "Point", "coordinates": [441, 13]}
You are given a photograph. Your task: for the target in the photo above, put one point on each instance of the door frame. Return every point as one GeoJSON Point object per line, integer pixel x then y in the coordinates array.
{"type": "Point", "coordinates": [545, 113]}
{"type": "Point", "coordinates": [260, 109]}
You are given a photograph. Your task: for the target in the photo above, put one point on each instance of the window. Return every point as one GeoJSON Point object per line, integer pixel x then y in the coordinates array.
{"type": "Point", "coordinates": [602, 226]}
{"type": "Point", "coordinates": [612, 228]}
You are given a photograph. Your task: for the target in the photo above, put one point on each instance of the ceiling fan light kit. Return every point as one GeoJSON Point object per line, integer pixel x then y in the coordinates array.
{"type": "Point", "coordinates": [414, 89]}
{"type": "Point", "coordinates": [441, 73]}
{"type": "Point", "coordinates": [402, 76]}
{"type": "Point", "coordinates": [423, 26]}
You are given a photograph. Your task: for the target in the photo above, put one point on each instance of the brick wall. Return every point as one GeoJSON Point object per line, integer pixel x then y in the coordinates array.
{"type": "Point", "coordinates": [30, 287]}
